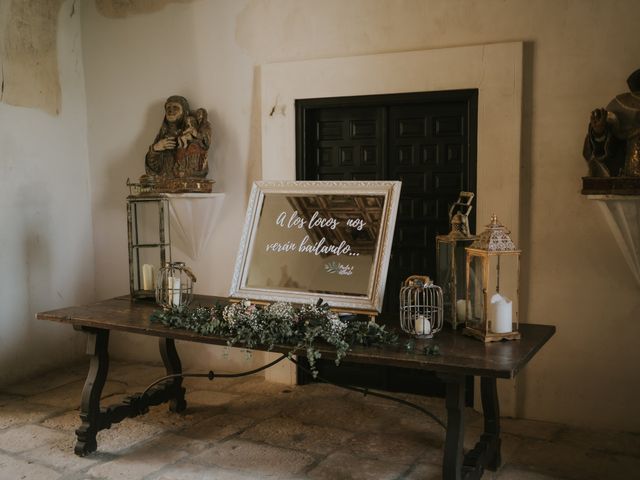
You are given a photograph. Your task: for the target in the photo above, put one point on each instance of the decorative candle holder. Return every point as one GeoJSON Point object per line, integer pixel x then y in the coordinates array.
{"type": "Point", "coordinates": [421, 312]}
{"type": "Point", "coordinates": [149, 240]}
{"type": "Point", "coordinates": [174, 286]}
{"type": "Point", "coordinates": [450, 260]}
{"type": "Point", "coordinates": [492, 272]}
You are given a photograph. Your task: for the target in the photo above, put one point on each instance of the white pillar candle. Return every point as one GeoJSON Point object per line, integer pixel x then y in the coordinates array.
{"type": "Point", "coordinates": [147, 277]}
{"type": "Point", "coordinates": [461, 310]}
{"type": "Point", "coordinates": [422, 325]}
{"type": "Point", "coordinates": [175, 291]}
{"type": "Point", "coordinates": [502, 309]}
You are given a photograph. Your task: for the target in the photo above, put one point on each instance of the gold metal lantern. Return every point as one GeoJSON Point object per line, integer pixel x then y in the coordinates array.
{"type": "Point", "coordinates": [174, 286]}
{"type": "Point", "coordinates": [420, 307]}
{"type": "Point", "coordinates": [492, 285]}
{"type": "Point", "coordinates": [149, 241]}
{"type": "Point", "coordinates": [450, 260]}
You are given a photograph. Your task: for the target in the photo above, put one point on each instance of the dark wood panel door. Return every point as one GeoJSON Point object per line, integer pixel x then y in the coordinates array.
{"type": "Point", "coordinates": [425, 140]}
{"type": "Point", "coordinates": [344, 144]}
{"type": "Point", "coordinates": [428, 150]}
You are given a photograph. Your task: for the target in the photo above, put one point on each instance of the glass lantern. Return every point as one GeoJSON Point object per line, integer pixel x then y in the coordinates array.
{"type": "Point", "coordinates": [174, 286]}
{"type": "Point", "coordinates": [492, 285]}
{"type": "Point", "coordinates": [450, 260]}
{"type": "Point", "coordinates": [420, 307]}
{"type": "Point", "coordinates": [149, 242]}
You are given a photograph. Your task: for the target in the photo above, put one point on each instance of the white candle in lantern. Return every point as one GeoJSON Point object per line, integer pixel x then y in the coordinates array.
{"type": "Point", "coordinates": [147, 277]}
{"type": "Point", "coordinates": [461, 310]}
{"type": "Point", "coordinates": [502, 309]}
{"type": "Point", "coordinates": [422, 325]}
{"type": "Point", "coordinates": [175, 291]}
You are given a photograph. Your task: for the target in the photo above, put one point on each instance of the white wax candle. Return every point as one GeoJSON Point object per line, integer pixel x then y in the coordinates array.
{"type": "Point", "coordinates": [422, 325]}
{"type": "Point", "coordinates": [147, 277]}
{"type": "Point", "coordinates": [175, 286]}
{"type": "Point", "coordinates": [502, 314]}
{"type": "Point", "coordinates": [461, 310]}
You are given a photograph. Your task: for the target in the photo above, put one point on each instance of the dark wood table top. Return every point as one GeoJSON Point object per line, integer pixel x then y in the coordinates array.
{"type": "Point", "coordinates": [459, 354]}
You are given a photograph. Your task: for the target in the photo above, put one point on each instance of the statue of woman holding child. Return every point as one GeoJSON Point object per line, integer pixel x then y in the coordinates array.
{"type": "Point", "coordinates": [177, 159]}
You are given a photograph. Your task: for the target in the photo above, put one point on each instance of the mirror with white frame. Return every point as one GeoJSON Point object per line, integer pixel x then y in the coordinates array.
{"type": "Point", "coordinates": [308, 240]}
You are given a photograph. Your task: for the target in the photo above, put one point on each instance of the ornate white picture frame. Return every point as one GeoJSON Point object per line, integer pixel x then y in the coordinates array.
{"type": "Point", "coordinates": [317, 239]}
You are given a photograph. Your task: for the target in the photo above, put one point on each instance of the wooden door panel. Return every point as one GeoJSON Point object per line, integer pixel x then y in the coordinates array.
{"type": "Point", "coordinates": [425, 140]}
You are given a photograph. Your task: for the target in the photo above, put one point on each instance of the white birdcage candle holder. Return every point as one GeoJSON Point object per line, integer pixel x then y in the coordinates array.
{"type": "Point", "coordinates": [421, 312]}
{"type": "Point", "coordinates": [174, 286]}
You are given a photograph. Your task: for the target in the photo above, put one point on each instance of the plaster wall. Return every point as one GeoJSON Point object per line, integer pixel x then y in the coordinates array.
{"type": "Point", "coordinates": [46, 242]}
{"type": "Point", "coordinates": [577, 55]}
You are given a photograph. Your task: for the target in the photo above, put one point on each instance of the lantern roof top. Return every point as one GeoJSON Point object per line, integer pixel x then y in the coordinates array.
{"type": "Point", "coordinates": [495, 238]}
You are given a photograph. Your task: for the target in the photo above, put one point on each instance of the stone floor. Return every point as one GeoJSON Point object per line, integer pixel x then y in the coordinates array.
{"type": "Point", "coordinates": [249, 429]}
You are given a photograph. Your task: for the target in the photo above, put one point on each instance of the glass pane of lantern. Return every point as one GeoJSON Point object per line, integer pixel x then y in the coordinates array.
{"type": "Point", "coordinates": [444, 278]}
{"type": "Point", "coordinates": [475, 307]}
{"type": "Point", "coordinates": [502, 293]}
{"type": "Point", "coordinates": [147, 226]}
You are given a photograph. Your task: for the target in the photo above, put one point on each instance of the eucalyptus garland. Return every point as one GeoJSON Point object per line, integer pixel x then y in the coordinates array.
{"type": "Point", "coordinates": [304, 328]}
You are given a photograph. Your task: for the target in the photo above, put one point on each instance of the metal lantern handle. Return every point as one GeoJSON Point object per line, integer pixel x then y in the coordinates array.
{"type": "Point", "coordinates": [417, 281]}
{"type": "Point", "coordinates": [189, 273]}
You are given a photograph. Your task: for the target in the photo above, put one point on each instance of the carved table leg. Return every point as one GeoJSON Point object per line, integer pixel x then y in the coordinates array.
{"type": "Point", "coordinates": [172, 365]}
{"type": "Point", "coordinates": [491, 409]}
{"type": "Point", "coordinates": [453, 452]}
{"type": "Point", "coordinates": [97, 347]}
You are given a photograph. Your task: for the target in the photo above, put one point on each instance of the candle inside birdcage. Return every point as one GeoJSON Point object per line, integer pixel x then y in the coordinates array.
{"type": "Point", "coordinates": [421, 311]}
{"type": "Point", "coordinates": [174, 286]}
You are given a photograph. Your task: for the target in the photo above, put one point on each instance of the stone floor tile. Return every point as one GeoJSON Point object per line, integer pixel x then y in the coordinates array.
{"type": "Point", "coordinates": [218, 427]}
{"type": "Point", "coordinates": [258, 406]}
{"type": "Point", "coordinates": [126, 434]}
{"type": "Point", "coordinates": [344, 466]}
{"type": "Point", "coordinates": [426, 471]}
{"type": "Point", "coordinates": [139, 461]}
{"type": "Point", "coordinates": [172, 421]}
{"type": "Point", "coordinates": [530, 428]}
{"type": "Point", "coordinates": [210, 397]}
{"type": "Point", "coordinates": [49, 380]}
{"type": "Point", "coordinates": [139, 374]}
{"type": "Point", "coordinates": [263, 461]}
{"type": "Point", "coordinates": [510, 472]}
{"type": "Point", "coordinates": [20, 412]}
{"type": "Point", "coordinates": [624, 443]}
{"type": "Point", "coordinates": [289, 433]}
{"type": "Point", "coordinates": [344, 412]}
{"type": "Point", "coordinates": [69, 395]}
{"type": "Point", "coordinates": [257, 386]}
{"type": "Point", "coordinates": [188, 471]}
{"type": "Point", "coordinates": [59, 454]}
{"type": "Point", "coordinates": [405, 449]}
{"type": "Point", "coordinates": [28, 437]}
{"type": "Point", "coordinates": [13, 468]}
{"type": "Point", "coordinates": [572, 462]}
{"type": "Point", "coordinates": [119, 437]}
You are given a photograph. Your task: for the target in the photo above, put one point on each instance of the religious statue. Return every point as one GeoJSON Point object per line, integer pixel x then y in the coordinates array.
{"type": "Point", "coordinates": [177, 159]}
{"type": "Point", "coordinates": [612, 145]}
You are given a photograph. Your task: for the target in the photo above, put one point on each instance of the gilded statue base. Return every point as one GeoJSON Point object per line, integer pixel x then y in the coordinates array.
{"type": "Point", "coordinates": [173, 185]}
{"type": "Point", "coordinates": [610, 185]}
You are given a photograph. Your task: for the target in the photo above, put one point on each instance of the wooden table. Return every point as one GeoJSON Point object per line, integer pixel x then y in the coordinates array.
{"type": "Point", "coordinates": [460, 356]}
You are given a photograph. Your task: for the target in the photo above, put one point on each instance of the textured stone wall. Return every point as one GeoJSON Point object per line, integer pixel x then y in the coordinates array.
{"type": "Point", "coordinates": [28, 54]}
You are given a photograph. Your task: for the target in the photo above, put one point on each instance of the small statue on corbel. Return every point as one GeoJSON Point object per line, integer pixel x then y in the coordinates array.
{"type": "Point", "coordinates": [176, 161]}
{"type": "Point", "coordinates": [612, 145]}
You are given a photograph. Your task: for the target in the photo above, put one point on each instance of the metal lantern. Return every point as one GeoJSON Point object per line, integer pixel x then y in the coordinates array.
{"type": "Point", "coordinates": [174, 285]}
{"type": "Point", "coordinates": [149, 241]}
{"type": "Point", "coordinates": [450, 260]}
{"type": "Point", "coordinates": [492, 293]}
{"type": "Point", "coordinates": [420, 307]}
